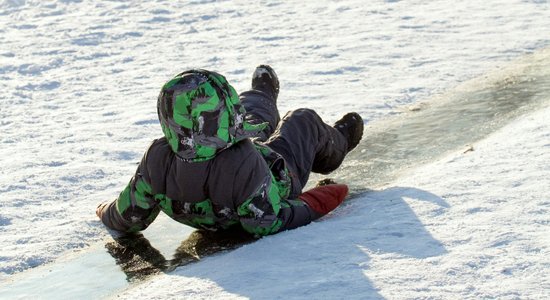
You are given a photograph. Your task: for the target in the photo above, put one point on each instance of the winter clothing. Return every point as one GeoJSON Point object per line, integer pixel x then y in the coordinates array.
{"type": "Point", "coordinates": [200, 115]}
{"type": "Point", "coordinates": [265, 79]}
{"type": "Point", "coordinates": [324, 199]}
{"type": "Point", "coordinates": [351, 126]}
{"type": "Point", "coordinates": [228, 160]}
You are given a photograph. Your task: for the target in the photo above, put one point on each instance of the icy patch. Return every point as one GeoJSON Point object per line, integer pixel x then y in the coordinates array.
{"type": "Point", "coordinates": [450, 121]}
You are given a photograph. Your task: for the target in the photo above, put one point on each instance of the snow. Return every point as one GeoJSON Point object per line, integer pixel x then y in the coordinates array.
{"type": "Point", "coordinates": [78, 88]}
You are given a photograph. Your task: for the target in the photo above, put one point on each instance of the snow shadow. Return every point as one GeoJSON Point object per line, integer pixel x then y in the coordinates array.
{"type": "Point", "coordinates": [385, 222]}
{"type": "Point", "coordinates": [306, 263]}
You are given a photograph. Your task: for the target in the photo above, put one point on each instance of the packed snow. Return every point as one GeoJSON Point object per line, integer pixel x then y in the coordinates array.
{"type": "Point", "coordinates": [78, 87]}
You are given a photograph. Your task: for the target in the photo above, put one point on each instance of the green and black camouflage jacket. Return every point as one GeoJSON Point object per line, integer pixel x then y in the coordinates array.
{"type": "Point", "coordinates": [245, 184]}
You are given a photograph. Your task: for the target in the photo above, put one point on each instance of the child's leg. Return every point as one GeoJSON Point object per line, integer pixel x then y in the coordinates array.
{"type": "Point", "coordinates": [307, 144]}
{"type": "Point", "coordinates": [260, 107]}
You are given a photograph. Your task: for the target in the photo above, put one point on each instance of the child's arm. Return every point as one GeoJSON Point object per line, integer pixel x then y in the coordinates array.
{"type": "Point", "coordinates": [134, 209]}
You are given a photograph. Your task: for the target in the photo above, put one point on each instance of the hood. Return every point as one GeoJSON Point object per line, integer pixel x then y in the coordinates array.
{"type": "Point", "coordinates": [201, 115]}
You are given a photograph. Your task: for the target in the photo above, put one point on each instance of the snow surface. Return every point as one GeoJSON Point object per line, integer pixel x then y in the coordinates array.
{"type": "Point", "coordinates": [78, 87]}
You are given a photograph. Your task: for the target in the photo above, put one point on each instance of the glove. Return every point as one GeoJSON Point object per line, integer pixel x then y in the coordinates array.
{"type": "Point", "coordinates": [324, 199]}
{"type": "Point", "coordinates": [102, 211]}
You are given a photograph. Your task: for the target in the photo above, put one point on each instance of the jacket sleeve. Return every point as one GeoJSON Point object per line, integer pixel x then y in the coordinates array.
{"type": "Point", "coordinates": [134, 209]}
{"type": "Point", "coordinates": [266, 213]}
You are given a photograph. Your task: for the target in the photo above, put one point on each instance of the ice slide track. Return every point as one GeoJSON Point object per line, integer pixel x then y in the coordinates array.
{"type": "Point", "coordinates": [453, 121]}
{"type": "Point", "coordinates": [449, 122]}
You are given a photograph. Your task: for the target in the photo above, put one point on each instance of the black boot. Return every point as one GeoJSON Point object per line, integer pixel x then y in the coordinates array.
{"type": "Point", "coordinates": [265, 79]}
{"type": "Point", "coordinates": [351, 126]}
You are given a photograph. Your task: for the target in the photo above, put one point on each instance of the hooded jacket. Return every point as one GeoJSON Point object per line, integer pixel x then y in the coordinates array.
{"type": "Point", "coordinates": [206, 172]}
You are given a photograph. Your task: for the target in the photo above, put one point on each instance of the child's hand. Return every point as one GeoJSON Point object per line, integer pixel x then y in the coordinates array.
{"type": "Point", "coordinates": [100, 208]}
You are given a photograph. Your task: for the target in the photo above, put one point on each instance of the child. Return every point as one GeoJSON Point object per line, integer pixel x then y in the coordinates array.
{"type": "Point", "coordinates": [230, 160]}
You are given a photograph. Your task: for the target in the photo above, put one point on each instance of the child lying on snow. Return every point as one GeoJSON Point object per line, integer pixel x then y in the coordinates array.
{"type": "Point", "coordinates": [229, 159]}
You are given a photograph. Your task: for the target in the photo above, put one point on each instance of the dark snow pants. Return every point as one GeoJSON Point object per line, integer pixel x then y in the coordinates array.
{"type": "Point", "coordinates": [306, 143]}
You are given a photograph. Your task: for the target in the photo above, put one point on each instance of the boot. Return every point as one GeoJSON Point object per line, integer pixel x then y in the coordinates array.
{"type": "Point", "coordinates": [265, 79]}
{"type": "Point", "coordinates": [351, 126]}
